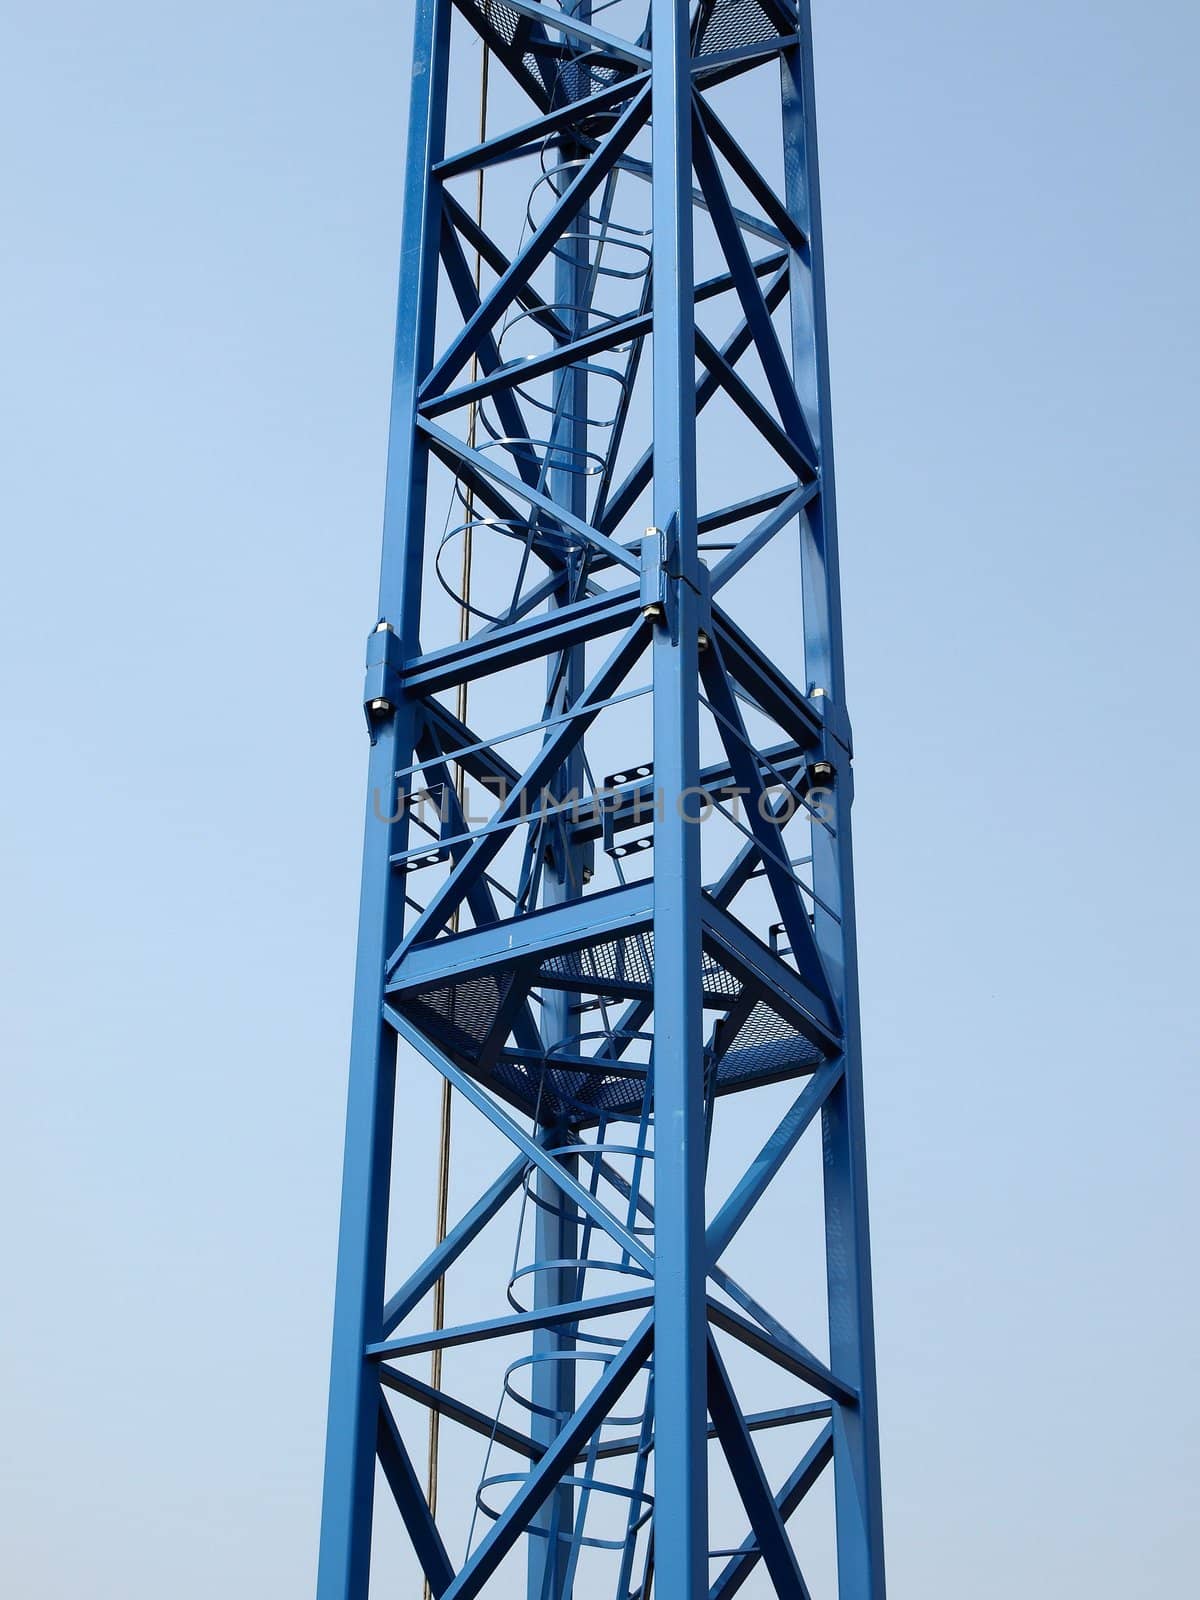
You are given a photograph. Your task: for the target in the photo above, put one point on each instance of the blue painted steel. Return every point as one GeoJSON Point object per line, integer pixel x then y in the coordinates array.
{"type": "Point", "coordinates": [743, 1562]}
{"type": "Point", "coordinates": [354, 1400]}
{"type": "Point", "coordinates": [851, 1319]}
{"type": "Point", "coordinates": [406, 1487]}
{"type": "Point", "coordinates": [559, 1174]}
{"type": "Point", "coordinates": [765, 1518]}
{"type": "Point", "coordinates": [570, 963]}
{"type": "Point", "coordinates": [456, 1241]}
{"type": "Point", "coordinates": [740, 1204]}
{"type": "Point", "coordinates": [680, 1464]}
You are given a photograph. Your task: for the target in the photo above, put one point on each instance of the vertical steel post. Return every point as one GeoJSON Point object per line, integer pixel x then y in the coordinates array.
{"type": "Point", "coordinates": [848, 1249]}
{"type": "Point", "coordinates": [557, 1223]}
{"type": "Point", "coordinates": [681, 1474]}
{"type": "Point", "coordinates": [354, 1395]}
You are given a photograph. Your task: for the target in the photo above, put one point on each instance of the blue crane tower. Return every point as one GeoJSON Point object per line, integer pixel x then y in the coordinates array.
{"type": "Point", "coordinates": [607, 899]}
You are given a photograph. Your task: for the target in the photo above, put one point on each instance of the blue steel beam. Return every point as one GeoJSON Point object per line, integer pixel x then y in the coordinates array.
{"type": "Point", "coordinates": [516, 1135]}
{"type": "Point", "coordinates": [752, 506]}
{"type": "Point", "coordinates": [455, 1410]}
{"type": "Point", "coordinates": [492, 256]}
{"type": "Point", "coordinates": [785, 1351]}
{"type": "Point", "coordinates": [756, 1422]}
{"type": "Point", "coordinates": [529, 136]}
{"type": "Point", "coordinates": [681, 1471]}
{"type": "Point", "coordinates": [722, 66]}
{"type": "Point", "coordinates": [462, 1235]}
{"type": "Point", "coordinates": [355, 1398]}
{"type": "Point", "coordinates": [412, 1504]}
{"type": "Point", "coordinates": [848, 1251]}
{"type": "Point", "coordinates": [758, 965]}
{"type": "Point", "coordinates": [607, 679]}
{"type": "Point", "coordinates": [455, 452]}
{"type": "Point", "coordinates": [570, 1015]}
{"type": "Point", "coordinates": [619, 331]}
{"type": "Point", "coordinates": [745, 169]}
{"type": "Point", "coordinates": [513, 645]}
{"type": "Point", "coordinates": [604, 44]}
{"type": "Point", "coordinates": [731, 351]}
{"type": "Point", "coordinates": [541, 1482]}
{"type": "Point", "coordinates": [461, 279]}
{"type": "Point", "coordinates": [750, 1480]}
{"type": "Point", "coordinates": [769, 1337]}
{"type": "Point", "coordinates": [761, 535]}
{"type": "Point", "coordinates": [741, 1566]}
{"type": "Point", "coordinates": [505, 291]}
{"type": "Point", "coordinates": [745, 767]}
{"type": "Point", "coordinates": [746, 220]}
{"type": "Point", "coordinates": [539, 933]}
{"type": "Point", "coordinates": [794, 453]}
{"type": "Point", "coordinates": [505, 1327]}
{"type": "Point", "coordinates": [755, 1180]}
{"type": "Point", "coordinates": [762, 329]}
{"type": "Point", "coordinates": [559, 1227]}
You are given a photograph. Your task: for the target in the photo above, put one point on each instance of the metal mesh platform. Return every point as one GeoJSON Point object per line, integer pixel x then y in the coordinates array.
{"type": "Point", "coordinates": [732, 24]}
{"type": "Point", "coordinates": [470, 1017]}
{"type": "Point", "coordinates": [549, 72]}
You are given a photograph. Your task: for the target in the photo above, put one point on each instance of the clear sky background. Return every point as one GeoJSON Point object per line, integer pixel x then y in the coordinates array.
{"type": "Point", "coordinates": [201, 211]}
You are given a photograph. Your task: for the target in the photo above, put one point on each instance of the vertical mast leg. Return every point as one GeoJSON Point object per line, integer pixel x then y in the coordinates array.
{"type": "Point", "coordinates": [553, 1380]}
{"type": "Point", "coordinates": [354, 1395]}
{"type": "Point", "coordinates": [848, 1252]}
{"type": "Point", "coordinates": [680, 1434]}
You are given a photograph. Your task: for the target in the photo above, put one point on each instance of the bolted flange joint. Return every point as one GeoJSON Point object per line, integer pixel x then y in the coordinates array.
{"type": "Point", "coordinates": [382, 688]}
{"type": "Point", "coordinates": [660, 579]}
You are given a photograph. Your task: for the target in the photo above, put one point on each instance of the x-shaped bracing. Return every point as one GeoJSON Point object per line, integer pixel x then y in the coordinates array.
{"type": "Point", "coordinates": [734, 1430]}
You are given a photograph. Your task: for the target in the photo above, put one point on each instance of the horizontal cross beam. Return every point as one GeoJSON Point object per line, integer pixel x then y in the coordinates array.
{"type": "Point", "coordinates": [455, 1410]}
{"type": "Point", "coordinates": [558, 1315]}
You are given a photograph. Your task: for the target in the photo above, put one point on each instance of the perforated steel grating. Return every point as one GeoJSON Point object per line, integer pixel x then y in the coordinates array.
{"type": "Point", "coordinates": [551, 74]}
{"type": "Point", "coordinates": [500, 19]}
{"type": "Point", "coordinates": [766, 1044]}
{"type": "Point", "coordinates": [575, 1095]}
{"type": "Point", "coordinates": [577, 79]}
{"type": "Point", "coordinates": [730, 24]}
{"type": "Point", "coordinates": [625, 966]}
{"type": "Point", "coordinates": [462, 1015]}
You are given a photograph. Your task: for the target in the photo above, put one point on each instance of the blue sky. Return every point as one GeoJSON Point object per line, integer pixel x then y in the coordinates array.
{"type": "Point", "coordinates": [202, 215]}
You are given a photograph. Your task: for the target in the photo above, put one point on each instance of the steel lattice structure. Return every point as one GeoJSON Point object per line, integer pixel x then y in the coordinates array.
{"type": "Point", "coordinates": [611, 905]}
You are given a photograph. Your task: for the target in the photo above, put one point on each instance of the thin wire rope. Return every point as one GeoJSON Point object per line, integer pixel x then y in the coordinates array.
{"type": "Point", "coordinates": [460, 788]}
